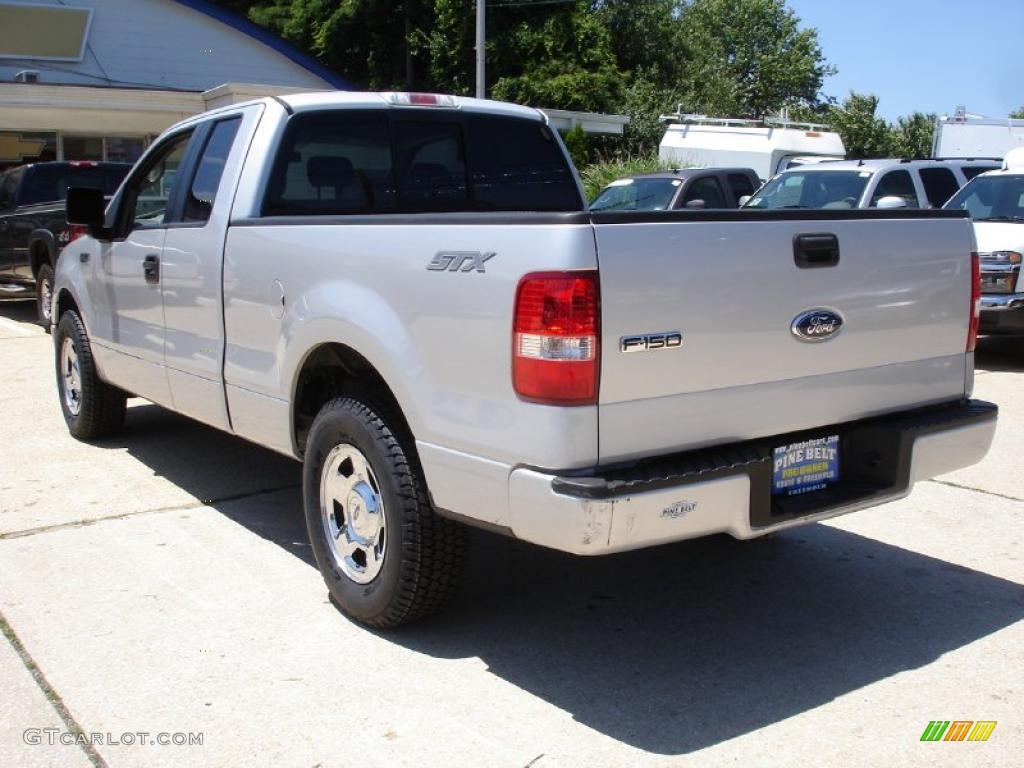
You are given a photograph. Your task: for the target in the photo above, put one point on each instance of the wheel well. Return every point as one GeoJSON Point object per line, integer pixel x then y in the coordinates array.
{"type": "Point", "coordinates": [335, 370]}
{"type": "Point", "coordinates": [64, 302]}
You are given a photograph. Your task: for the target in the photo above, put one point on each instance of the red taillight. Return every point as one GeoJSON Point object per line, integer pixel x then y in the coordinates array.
{"type": "Point", "coordinates": [555, 340]}
{"type": "Point", "coordinates": [75, 231]}
{"type": "Point", "coordinates": [972, 329]}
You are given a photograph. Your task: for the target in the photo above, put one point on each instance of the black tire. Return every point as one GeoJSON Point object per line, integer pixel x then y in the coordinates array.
{"type": "Point", "coordinates": [425, 558]}
{"type": "Point", "coordinates": [101, 407]}
{"type": "Point", "coordinates": [44, 295]}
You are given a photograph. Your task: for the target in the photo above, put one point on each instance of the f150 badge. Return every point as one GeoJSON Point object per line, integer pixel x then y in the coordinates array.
{"type": "Point", "coordinates": [817, 325]}
{"type": "Point", "coordinates": [647, 342]}
{"type": "Point", "coordinates": [460, 261]}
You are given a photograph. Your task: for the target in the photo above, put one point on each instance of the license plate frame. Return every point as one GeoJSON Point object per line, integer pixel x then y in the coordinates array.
{"type": "Point", "coordinates": [805, 466]}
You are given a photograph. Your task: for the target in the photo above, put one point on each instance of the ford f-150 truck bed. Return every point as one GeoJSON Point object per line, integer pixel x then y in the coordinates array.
{"type": "Point", "coordinates": [406, 292]}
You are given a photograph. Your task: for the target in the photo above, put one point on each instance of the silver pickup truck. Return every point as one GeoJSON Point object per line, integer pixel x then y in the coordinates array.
{"type": "Point", "coordinates": [407, 293]}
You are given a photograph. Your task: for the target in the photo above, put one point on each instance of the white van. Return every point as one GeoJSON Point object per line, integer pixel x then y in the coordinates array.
{"type": "Point", "coordinates": [885, 183]}
{"type": "Point", "coordinates": [767, 146]}
{"type": "Point", "coordinates": [965, 135]}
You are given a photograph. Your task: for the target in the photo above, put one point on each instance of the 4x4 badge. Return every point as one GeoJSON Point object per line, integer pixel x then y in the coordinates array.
{"type": "Point", "coordinates": [460, 261]}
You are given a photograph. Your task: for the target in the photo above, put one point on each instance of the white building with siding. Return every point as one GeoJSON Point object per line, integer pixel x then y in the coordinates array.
{"type": "Point", "coordinates": [98, 79]}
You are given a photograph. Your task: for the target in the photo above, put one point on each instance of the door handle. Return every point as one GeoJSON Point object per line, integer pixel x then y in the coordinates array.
{"type": "Point", "coordinates": [813, 251]}
{"type": "Point", "coordinates": [151, 268]}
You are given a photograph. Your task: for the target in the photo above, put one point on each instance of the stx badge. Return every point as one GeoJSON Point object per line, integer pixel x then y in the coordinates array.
{"type": "Point", "coordinates": [460, 261]}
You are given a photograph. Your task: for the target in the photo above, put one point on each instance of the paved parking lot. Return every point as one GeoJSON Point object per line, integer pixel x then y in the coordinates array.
{"type": "Point", "coordinates": [160, 582]}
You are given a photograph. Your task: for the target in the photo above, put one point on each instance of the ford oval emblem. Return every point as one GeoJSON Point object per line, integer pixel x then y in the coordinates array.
{"type": "Point", "coordinates": [817, 325]}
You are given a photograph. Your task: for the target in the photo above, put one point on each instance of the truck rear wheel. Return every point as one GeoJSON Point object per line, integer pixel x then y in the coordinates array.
{"type": "Point", "coordinates": [385, 555]}
{"type": "Point", "coordinates": [44, 295]}
{"type": "Point", "coordinates": [91, 407]}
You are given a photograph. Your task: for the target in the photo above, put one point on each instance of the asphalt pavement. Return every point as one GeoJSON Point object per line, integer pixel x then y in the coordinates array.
{"type": "Point", "coordinates": [160, 583]}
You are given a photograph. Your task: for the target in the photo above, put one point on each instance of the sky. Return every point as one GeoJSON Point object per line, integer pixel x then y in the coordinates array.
{"type": "Point", "coordinates": [923, 55]}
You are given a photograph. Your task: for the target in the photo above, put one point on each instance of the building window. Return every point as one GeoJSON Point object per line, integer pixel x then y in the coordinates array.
{"type": "Point", "coordinates": [122, 149]}
{"type": "Point", "coordinates": [83, 148]}
{"type": "Point", "coordinates": [115, 149]}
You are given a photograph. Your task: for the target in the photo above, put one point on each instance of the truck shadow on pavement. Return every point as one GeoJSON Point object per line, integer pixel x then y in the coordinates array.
{"type": "Point", "coordinates": [995, 353]}
{"type": "Point", "coordinates": [674, 649]}
{"type": "Point", "coordinates": [19, 310]}
{"type": "Point", "coordinates": [668, 650]}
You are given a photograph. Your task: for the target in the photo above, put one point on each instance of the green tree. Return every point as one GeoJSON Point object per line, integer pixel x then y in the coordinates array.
{"type": "Point", "coordinates": [645, 39]}
{"type": "Point", "coordinates": [641, 57]}
{"type": "Point", "coordinates": [864, 134]}
{"type": "Point", "coordinates": [358, 39]}
{"type": "Point", "coordinates": [912, 136]}
{"type": "Point", "coordinates": [1017, 114]}
{"type": "Point", "coordinates": [565, 61]}
{"type": "Point", "coordinates": [749, 57]}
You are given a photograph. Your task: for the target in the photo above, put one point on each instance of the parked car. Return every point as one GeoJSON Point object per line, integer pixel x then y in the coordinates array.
{"type": "Point", "coordinates": [768, 146]}
{"type": "Point", "coordinates": [995, 201]}
{"type": "Point", "coordinates": [692, 188]}
{"type": "Point", "coordinates": [407, 293]}
{"type": "Point", "coordinates": [869, 184]}
{"type": "Point", "coordinates": [33, 228]}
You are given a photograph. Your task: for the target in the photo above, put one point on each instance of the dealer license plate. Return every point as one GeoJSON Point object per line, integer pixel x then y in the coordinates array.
{"type": "Point", "coordinates": [805, 467]}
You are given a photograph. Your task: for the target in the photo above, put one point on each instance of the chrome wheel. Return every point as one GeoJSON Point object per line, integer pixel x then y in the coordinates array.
{"type": "Point", "coordinates": [352, 513]}
{"type": "Point", "coordinates": [46, 299]}
{"type": "Point", "coordinates": [71, 377]}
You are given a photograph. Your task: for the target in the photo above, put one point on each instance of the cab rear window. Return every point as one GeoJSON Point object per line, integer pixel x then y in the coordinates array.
{"type": "Point", "coordinates": [374, 161]}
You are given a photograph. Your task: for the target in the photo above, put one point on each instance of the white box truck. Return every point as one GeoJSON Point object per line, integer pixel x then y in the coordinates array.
{"type": "Point", "coordinates": [768, 146]}
{"type": "Point", "coordinates": [967, 135]}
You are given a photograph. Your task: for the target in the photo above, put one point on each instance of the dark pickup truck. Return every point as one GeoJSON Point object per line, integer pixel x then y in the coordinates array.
{"type": "Point", "coordinates": [33, 227]}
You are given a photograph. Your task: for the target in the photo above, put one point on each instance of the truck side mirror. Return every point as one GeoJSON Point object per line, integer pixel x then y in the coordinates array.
{"type": "Point", "coordinates": [696, 205]}
{"type": "Point", "coordinates": [891, 201]}
{"type": "Point", "coordinates": [87, 207]}
{"type": "Point", "coordinates": [744, 199]}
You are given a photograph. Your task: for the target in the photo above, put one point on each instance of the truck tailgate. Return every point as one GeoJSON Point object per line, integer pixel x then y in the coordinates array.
{"type": "Point", "coordinates": [731, 285]}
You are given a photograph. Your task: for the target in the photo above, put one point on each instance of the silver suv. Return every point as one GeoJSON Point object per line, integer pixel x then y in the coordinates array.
{"type": "Point", "coordinates": [882, 183]}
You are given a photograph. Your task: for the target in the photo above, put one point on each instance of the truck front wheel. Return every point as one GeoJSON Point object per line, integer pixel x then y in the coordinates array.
{"type": "Point", "coordinates": [91, 407]}
{"type": "Point", "coordinates": [385, 555]}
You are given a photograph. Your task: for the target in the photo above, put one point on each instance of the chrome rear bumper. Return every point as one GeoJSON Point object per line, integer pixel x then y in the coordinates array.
{"type": "Point", "coordinates": [728, 489]}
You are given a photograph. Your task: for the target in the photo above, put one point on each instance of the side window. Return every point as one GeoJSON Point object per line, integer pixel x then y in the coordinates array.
{"type": "Point", "coordinates": [741, 185]}
{"type": "Point", "coordinates": [150, 191]}
{"type": "Point", "coordinates": [206, 181]}
{"type": "Point", "coordinates": [707, 189]}
{"type": "Point", "coordinates": [45, 184]}
{"type": "Point", "coordinates": [896, 184]}
{"type": "Point", "coordinates": [939, 185]}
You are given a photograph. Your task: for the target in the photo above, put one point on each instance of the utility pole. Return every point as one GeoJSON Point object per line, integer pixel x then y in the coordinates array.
{"type": "Point", "coordinates": [481, 35]}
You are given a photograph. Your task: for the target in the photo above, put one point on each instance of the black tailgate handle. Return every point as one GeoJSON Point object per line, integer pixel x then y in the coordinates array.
{"type": "Point", "coordinates": [812, 251]}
